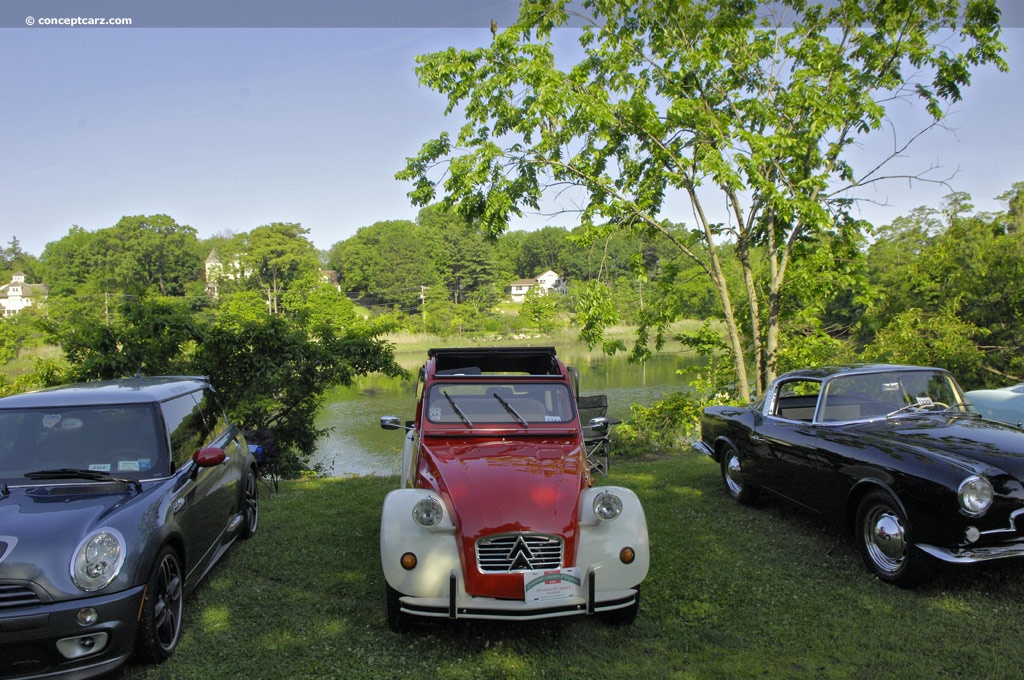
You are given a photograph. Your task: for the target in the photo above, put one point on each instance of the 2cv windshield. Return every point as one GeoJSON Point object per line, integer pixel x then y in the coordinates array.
{"type": "Point", "coordinates": [505, 403]}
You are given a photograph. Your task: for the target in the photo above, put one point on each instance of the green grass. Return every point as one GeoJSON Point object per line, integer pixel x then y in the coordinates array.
{"type": "Point", "coordinates": [733, 592]}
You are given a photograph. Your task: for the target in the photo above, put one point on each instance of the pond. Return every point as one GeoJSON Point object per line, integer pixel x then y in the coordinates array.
{"type": "Point", "coordinates": [356, 444]}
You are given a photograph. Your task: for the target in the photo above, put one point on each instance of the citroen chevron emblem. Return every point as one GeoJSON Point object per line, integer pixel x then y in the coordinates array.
{"type": "Point", "coordinates": [520, 556]}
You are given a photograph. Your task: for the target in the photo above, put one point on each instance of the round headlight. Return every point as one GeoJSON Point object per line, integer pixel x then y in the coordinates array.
{"type": "Point", "coordinates": [607, 506]}
{"type": "Point", "coordinates": [427, 512]}
{"type": "Point", "coordinates": [975, 495]}
{"type": "Point", "coordinates": [98, 559]}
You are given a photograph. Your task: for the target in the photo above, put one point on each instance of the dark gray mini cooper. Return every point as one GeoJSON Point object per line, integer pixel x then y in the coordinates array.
{"type": "Point", "coordinates": [116, 497]}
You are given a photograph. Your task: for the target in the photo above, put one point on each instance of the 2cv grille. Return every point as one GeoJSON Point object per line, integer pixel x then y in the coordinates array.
{"type": "Point", "coordinates": [518, 552]}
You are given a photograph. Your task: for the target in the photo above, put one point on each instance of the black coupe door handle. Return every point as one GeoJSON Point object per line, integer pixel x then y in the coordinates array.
{"type": "Point", "coordinates": [757, 439]}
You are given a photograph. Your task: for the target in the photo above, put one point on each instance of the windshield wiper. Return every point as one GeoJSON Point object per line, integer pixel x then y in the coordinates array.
{"type": "Point", "coordinates": [78, 473]}
{"type": "Point", "coordinates": [512, 411]}
{"type": "Point", "coordinates": [922, 406]}
{"type": "Point", "coordinates": [455, 407]}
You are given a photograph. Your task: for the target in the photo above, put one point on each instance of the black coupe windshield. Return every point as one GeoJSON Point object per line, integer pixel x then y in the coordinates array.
{"type": "Point", "coordinates": [890, 393]}
{"type": "Point", "coordinates": [117, 440]}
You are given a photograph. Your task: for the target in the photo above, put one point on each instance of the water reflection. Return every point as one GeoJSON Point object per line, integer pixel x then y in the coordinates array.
{"type": "Point", "coordinates": [357, 445]}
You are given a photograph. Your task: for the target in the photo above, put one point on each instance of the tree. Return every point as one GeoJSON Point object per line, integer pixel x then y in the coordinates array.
{"type": "Point", "coordinates": [277, 254]}
{"type": "Point", "coordinates": [135, 255]}
{"type": "Point", "coordinates": [270, 371]}
{"type": "Point", "coordinates": [367, 262]}
{"type": "Point", "coordinates": [757, 105]}
{"type": "Point", "coordinates": [540, 308]}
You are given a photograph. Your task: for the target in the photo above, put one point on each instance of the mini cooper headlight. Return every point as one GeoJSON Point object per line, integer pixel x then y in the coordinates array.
{"type": "Point", "coordinates": [975, 495]}
{"type": "Point", "coordinates": [98, 559]}
{"type": "Point", "coordinates": [427, 512]}
{"type": "Point", "coordinates": [607, 506]}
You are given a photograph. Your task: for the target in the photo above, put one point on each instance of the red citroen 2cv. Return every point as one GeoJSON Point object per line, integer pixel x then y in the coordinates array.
{"type": "Point", "coordinates": [497, 516]}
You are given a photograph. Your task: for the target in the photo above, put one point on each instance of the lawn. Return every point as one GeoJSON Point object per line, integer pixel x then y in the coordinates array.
{"type": "Point", "coordinates": [733, 592]}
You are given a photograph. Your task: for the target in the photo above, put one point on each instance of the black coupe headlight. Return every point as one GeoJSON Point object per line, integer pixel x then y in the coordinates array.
{"type": "Point", "coordinates": [975, 495]}
{"type": "Point", "coordinates": [98, 559]}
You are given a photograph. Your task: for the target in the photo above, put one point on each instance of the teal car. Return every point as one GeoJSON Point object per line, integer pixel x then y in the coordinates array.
{"type": "Point", "coordinates": [1005, 404]}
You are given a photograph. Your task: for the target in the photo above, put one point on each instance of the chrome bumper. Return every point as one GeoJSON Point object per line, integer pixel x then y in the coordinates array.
{"type": "Point", "coordinates": [591, 602]}
{"type": "Point", "coordinates": [973, 555]}
{"type": "Point", "coordinates": [701, 447]}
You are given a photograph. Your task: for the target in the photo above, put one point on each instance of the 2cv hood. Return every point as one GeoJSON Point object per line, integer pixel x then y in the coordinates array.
{"type": "Point", "coordinates": [41, 527]}
{"type": "Point", "coordinates": [498, 486]}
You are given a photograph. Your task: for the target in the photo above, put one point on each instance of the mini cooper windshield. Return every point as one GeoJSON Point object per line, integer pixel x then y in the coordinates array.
{"type": "Point", "coordinates": [81, 442]}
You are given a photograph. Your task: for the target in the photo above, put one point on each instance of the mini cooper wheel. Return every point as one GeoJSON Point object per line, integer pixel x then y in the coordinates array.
{"type": "Point", "coordinates": [885, 543]}
{"type": "Point", "coordinates": [732, 475]}
{"type": "Point", "coordinates": [160, 625]}
{"type": "Point", "coordinates": [250, 505]}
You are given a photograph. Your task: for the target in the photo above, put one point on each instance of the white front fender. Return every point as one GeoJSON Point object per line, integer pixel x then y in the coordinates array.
{"type": "Point", "coordinates": [435, 548]}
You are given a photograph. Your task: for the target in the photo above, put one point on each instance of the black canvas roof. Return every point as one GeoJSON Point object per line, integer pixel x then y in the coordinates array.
{"type": "Point", "coordinates": [480, 360]}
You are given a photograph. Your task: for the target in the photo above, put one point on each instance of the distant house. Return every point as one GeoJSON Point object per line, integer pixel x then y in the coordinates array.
{"type": "Point", "coordinates": [330, 277]}
{"type": "Point", "coordinates": [216, 271]}
{"type": "Point", "coordinates": [547, 282]}
{"type": "Point", "coordinates": [17, 295]}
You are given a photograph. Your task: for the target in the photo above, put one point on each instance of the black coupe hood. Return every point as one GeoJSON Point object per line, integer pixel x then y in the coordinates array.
{"type": "Point", "coordinates": [967, 439]}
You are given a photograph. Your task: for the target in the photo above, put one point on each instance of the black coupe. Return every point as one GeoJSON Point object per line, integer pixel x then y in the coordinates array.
{"type": "Point", "coordinates": [893, 451]}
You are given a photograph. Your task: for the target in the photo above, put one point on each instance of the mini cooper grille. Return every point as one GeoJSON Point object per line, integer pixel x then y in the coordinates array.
{"type": "Point", "coordinates": [16, 596]}
{"type": "Point", "coordinates": [518, 552]}
{"type": "Point", "coordinates": [82, 489]}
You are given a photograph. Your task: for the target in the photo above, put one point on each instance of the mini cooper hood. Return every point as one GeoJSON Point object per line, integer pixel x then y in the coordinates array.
{"type": "Point", "coordinates": [961, 438]}
{"type": "Point", "coordinates": [496, 486]}
{"type": "Point", "coordinates": [48, 523]}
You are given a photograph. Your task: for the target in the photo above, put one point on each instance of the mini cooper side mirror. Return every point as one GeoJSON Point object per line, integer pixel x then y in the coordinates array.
{"type": "Point", "coordinates": [209, 457]}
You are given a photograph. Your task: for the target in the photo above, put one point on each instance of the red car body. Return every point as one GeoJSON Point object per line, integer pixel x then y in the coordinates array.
{"type": "Point", "coordinates": [497, 515]}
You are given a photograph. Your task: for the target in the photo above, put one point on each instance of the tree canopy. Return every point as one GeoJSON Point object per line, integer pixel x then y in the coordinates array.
{"type": "Point", "coordinates": [749, 105]}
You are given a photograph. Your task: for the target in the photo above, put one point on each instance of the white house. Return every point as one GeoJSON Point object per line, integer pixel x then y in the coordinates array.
{"type": "Point", "coordinates": [547, 282]}
{"type": "Point", "coordinates": [17, 295]}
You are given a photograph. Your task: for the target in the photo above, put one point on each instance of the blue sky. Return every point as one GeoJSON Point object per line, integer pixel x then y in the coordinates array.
{"type": "Point", "coordinates": [228, 129]}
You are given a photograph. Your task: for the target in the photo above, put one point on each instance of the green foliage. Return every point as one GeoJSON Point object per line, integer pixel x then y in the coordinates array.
{"type": "Point", "coordinates": [276, 255]}
{"type": "Point", "coordinates": [946, 292]}
{"type": "Point", "coordinates": [942, 339]}
{"type": "Point", "coordinates": [687, 99]}
{"type": "Point", "coordinates": [665, 427]}
{"type": "Point", "coordinates": [594, 311]}
{"type": "Point", "coordinates": [366, 262]}
{"type": "Point", "coordinates": [540, 308]}
{"type": "Point", "coordinates": [139, 254]}
{"type": "Point", "coordinates": [315, 304]}
{"type": "Point", "coordinates": [272, 374]}
{"type": "Point", "coordinates": [151, 336]}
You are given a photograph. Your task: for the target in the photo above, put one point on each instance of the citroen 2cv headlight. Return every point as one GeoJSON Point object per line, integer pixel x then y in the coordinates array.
{"type": "Point", "coordinates": [975, 495]}
{"type": "Point", "coordinates": [427, 512]}
{"type": "Point", "coordinates": [98, 559]}
{"type": "Point", "coordinates": [607, 506]}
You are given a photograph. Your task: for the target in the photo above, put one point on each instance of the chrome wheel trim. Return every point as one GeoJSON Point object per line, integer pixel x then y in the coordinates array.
{"type": "Point", "coordinates": [885, 539]}
{"type": "Point", "coordinates": [733, 474]}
